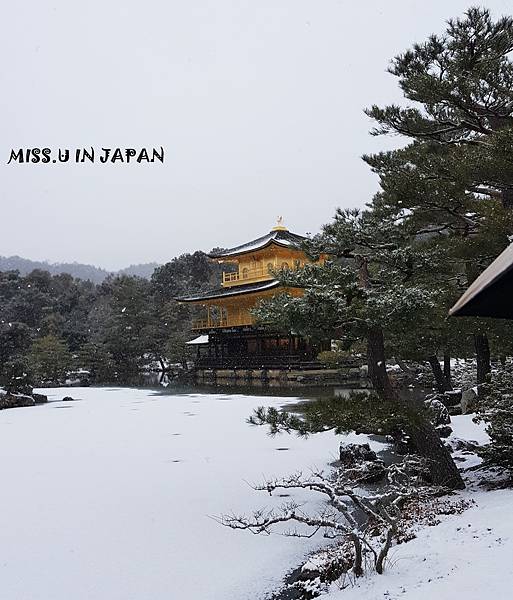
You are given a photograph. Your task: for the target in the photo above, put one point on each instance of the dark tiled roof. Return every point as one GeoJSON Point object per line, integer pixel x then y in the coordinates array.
{"type": "Point", "coordinates": [235, 290]}
{"type": "Point", "coordinates": [280, 237]}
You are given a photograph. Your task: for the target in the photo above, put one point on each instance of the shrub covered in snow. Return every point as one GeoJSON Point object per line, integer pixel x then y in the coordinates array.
{"type": "Point", "coordinates": [496, 410]}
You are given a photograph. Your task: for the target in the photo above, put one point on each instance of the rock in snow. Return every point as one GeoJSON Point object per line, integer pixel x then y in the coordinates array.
{"type": "Point", "coordinates": [469, 399]}
{"type": "Point", "coordinates": [451, 398]}
{"type": "Point", "coordinates": [353, 454]}
{"type": "Point", "coordinates": [20, 400]}
{"type": "Point", "coordinates": [438, 410]}
{"type": "Point", "coordinates": [444, 431]}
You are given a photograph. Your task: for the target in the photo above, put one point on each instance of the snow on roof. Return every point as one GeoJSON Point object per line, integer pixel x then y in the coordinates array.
{"type": "Point", "coordinates": [236, 290]}
{"type": "Point", "coordinates": [280, 237]}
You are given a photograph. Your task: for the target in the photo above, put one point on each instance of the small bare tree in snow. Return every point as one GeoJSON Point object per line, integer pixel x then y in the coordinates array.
{"type": "Point", "coordinates": [368, 522]}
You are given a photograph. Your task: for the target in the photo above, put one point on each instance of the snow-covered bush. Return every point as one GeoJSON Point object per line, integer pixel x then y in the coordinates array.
{"type": "Point", "coordinates": [496, 410]}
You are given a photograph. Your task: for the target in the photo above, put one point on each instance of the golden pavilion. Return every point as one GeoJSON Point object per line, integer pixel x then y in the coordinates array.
{"type": "Point", "coordinates": [228, 336]}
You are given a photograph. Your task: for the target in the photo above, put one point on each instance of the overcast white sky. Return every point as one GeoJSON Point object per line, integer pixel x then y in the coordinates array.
{"type": "Point", "coordinates": [257, 103]}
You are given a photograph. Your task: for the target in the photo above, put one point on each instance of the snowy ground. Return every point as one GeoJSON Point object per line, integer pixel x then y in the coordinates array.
{"type": "Point", "coordinates": [467, 556]}
{"type": "Point", "coordinates": [109, 497]}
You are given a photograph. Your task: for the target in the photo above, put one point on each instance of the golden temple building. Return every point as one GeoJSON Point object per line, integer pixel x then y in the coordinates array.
{"type": "Point", "coordinates": [228, 336]}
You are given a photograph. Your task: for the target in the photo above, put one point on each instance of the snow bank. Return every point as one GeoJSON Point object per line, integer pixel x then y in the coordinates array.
{"type": "Point", "coordinates": [467, 556]}
{"type": "Point", "coordinates": [464, 428]}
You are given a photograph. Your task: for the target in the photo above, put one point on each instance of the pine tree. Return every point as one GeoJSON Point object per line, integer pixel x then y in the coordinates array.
{"type": "Point", "coordinates": [130, 312]}
{"type": "Point", "coordinates": [455, 179]}
{"type": "Point", "coordinates": [377, 284]}
{"type": "Point", "coordinates": [50, 358]}
{"type": "Point", "coordinates": [16, 376]}
{"type": "Point", "coordinates": [96, 358]}
{"type": "Point", "coordinates": [461, 87]}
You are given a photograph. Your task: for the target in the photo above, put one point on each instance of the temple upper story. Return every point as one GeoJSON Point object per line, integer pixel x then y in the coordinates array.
{"type": "Point", "coordinates": [257, 260]}
{"type": "Point", "coordinates": [249, 278]}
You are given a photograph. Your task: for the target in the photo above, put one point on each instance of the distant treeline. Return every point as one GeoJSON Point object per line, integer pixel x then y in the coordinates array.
{"type": "Point", "coordinates": [86, 272]}
{"type": "Point", "coordinates": [51, 324]}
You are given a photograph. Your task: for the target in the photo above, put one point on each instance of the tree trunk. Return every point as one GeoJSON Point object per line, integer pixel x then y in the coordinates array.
{"type": "Point", "coordinates": [447, 369]}
{"type": "Point", "coordinates": [442, 383]}
{"type": "Point", "coordinates": [380, 561]}
{"type": "Point", "coordinates": [422, 432]}
{"type": "Point", "coordinates": [358, 556]}
{"type": "Point", "coordinates": [442, 469]}
{"type": "Point", "coordinates": [507, 198]}
{"type": "Point", "coordinates": [483, 356]}
{"type": "Point", "coordinates": [376, 363]}
{"type": "Point", "coordinates": [480, 339]}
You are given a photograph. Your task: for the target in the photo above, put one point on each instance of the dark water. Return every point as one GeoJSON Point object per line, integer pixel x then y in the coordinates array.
{"type": "Point", "coordinates": [161, 384]}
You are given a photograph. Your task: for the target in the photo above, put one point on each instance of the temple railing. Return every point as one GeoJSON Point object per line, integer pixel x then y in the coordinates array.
{"type": "Point", "coordinates": [246, 276]}
{"type": "Point", "coordinates": [215, 323]}
{"type": "Point", "coordinates": [259, 273]}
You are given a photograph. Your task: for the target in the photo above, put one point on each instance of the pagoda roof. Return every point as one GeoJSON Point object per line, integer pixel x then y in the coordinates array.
{"type": "Point", "coordinates": [490, 294]}
{"type": "Point", "coordinates": [278, 236]}
{"type": "Point", "coordinates": [236, 290]}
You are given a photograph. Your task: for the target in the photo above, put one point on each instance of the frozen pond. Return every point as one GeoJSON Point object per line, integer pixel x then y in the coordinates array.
{"type": "Point", "coordinates": [109, 497]}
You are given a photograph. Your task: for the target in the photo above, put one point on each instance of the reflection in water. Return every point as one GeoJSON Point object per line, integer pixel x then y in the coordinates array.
{"type": "Point", "coordinates": [165, 386]}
